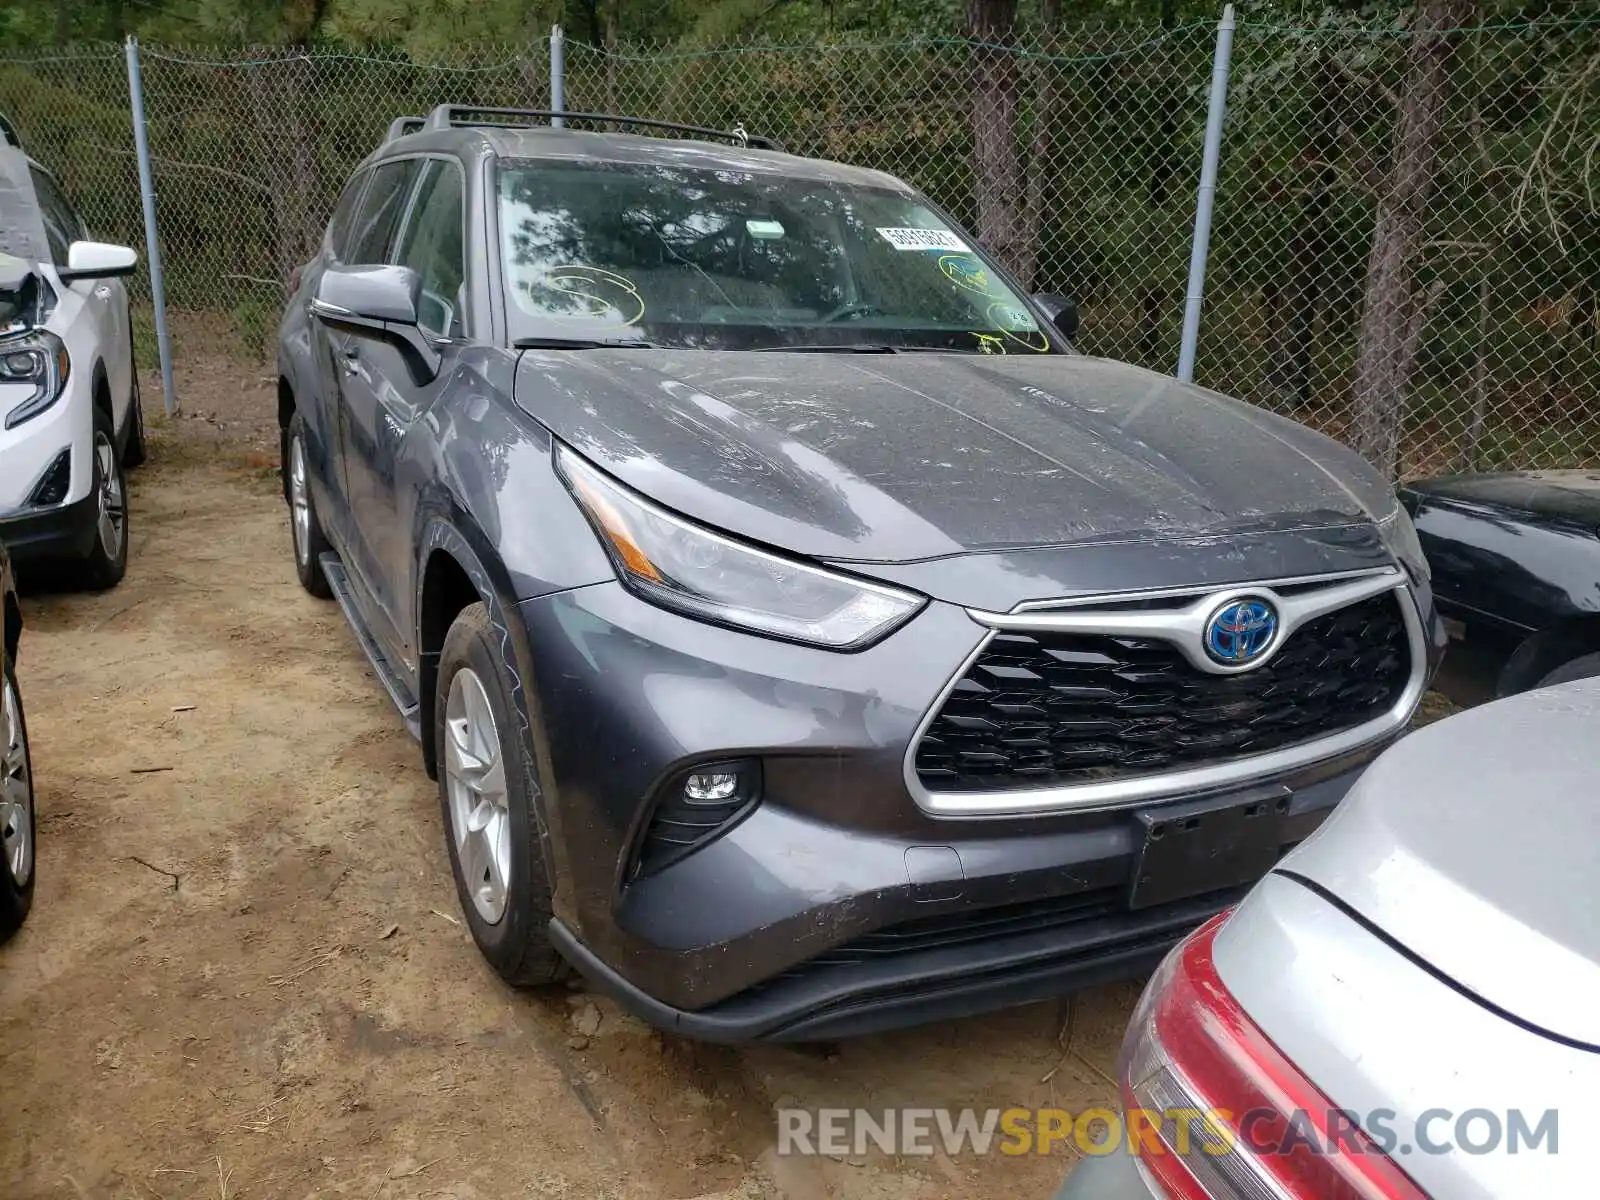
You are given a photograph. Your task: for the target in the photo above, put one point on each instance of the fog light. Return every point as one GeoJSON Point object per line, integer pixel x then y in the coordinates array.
{"type": "Point", "coordinates": [711, 786]}
{"type": "Point", "coordinates": [54, 485]}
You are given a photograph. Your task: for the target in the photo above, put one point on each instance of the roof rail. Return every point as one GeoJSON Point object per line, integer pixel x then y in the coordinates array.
{"type": "Point", "coordinates": [455, 116]}
{"type": "Point", "coordinates": [401, 126]}
{"type": "Point", "coordinates": [8, 131]}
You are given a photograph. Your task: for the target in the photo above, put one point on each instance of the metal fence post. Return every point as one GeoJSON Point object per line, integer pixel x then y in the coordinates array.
{"type": "Point", "coordinates": [558, 74]}
{"type": "Point", "coordinates": [1208, 191]}
{"type": "Point", "coordinates": [152, 243]}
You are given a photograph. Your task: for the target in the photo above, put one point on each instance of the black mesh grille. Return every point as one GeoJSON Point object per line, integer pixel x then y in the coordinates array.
{"type": "Point", "coordinates": [1069, 916]}
{"type": "Point", "coordinates": [1037, 709]}
{"type": "Point", "coordinates": [957, 929]}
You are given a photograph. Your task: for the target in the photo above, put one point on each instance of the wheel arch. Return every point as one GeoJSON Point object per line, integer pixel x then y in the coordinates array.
{"type": "Point", "coordinates": [456, 569]}
{"type": "Point", "coordinates": [452, 550]}
{"type": "Point", "coordinates": [446, 589]}
{"type": "Point", "coordinates": [286, 402]}
{"type": "Point", "coordinates": [100, 391]}
{"type": "Point", "coordinates": [1538, 655]}
{"type": "Point", "coordinates": [286, 411]}
{"type": "Point", "coordinates": [13, 626]}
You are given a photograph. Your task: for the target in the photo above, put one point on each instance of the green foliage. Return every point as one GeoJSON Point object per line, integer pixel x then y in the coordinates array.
{"type": "Point", "coordinates": [253, 144]}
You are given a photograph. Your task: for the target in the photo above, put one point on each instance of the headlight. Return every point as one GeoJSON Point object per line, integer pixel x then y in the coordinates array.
{"type": "Point", "coordinates": [38, 358]}
{"type": "Point", "coordinates": [671, 562]}
{"type": "Point", "coordinates": [1400, 538]}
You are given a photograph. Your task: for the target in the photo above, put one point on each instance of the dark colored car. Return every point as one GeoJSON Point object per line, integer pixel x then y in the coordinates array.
{"type": "Point", "coordinates": [1516, 573]}
{"type": "Point", "coordinates": [804, 637]}
{"type": "Point", "coordinates": [16, 768]}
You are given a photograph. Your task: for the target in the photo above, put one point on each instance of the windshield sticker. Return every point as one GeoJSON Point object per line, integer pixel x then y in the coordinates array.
{"type": "Point", "coordinates": [1012, 318]}
{"type": "Point", "coordinates": [967, 272]}
{"type": "Point", "coordinates": [607, 295]}
{"type": "Point", "coordinates": [765, 230]}
{"type": "Point", "coordinates": [922, 239]}
{"type": "Point", "coordinates": [995, 343]}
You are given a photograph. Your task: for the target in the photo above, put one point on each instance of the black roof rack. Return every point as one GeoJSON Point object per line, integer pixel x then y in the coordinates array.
{"type": "Point", "coordinates": [8, 131]}
{"type": "Point", "coordinates": [401, 126]}
{"type": "Point", "coordinates": [455, 116]}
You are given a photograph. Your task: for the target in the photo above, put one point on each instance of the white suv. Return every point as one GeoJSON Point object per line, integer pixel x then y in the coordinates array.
{"type": "Point", "coordinates": [70, 419]}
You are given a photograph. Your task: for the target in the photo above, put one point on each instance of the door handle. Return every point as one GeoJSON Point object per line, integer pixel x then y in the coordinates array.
{"type": "Point", "coordinates": [352, 359]}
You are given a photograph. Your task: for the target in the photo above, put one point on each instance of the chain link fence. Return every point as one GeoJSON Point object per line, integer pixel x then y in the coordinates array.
{"type": "Point", "coordinates": [1407, 242]}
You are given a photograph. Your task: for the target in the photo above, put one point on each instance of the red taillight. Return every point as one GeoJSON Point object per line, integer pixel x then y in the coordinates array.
{"type": "Point", "coordinates": [1252, 1125]}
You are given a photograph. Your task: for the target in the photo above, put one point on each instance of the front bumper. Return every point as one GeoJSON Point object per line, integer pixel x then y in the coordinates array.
{"type": "Point", "coordinates": [65, 531]}
{"type": "Point", "coordinates": [837, 905]}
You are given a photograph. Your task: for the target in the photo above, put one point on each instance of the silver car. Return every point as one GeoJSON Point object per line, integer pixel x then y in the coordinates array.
{"type": "Point", "coordinates": [1408, 1006]}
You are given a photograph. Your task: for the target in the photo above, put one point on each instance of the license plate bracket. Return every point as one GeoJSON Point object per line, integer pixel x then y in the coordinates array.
{"type": "Point", "coordinates": [1207, 845]}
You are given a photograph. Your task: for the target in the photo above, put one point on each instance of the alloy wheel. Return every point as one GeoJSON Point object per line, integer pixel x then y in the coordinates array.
{"type": "Point", "coordinates": [16, 790]}
{"type": "Point", "coordinates": [480, 812]}
{"type": "Point", "coordinates": [113, 512]}
{"type": "Point", "coordinates": [299, 501]}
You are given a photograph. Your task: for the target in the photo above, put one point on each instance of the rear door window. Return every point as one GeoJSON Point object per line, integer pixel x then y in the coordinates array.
{"type": "Point", "coordinates": [377, 219]}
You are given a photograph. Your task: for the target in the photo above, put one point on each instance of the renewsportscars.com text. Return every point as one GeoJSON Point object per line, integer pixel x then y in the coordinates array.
{"type": "Point", "coordinates": [926, 1131]}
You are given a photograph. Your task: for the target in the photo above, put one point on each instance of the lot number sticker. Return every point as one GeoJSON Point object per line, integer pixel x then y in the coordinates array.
{"type": "Point", "coordinates": [923, 239]}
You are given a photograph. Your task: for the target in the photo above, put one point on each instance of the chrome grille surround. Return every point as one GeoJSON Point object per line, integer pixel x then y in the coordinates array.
{"type": "Point", "coordinates": [1178, 616]}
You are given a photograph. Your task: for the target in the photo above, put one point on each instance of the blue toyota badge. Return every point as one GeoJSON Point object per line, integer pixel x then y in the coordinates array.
{"type": "Point", "coordinates": [1241, 631]}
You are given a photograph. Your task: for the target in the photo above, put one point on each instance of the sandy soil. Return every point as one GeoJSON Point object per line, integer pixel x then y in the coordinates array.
{"type": "Point", "coordinates": [245, 977]}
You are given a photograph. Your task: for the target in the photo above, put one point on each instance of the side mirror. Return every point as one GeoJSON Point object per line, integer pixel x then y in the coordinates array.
{"type": "Point", "coordinates": [380, 302]}
{"type": "Point", "coordinates": [1062, 311]}
{"type": "Point", "coordinates": [97, 260]}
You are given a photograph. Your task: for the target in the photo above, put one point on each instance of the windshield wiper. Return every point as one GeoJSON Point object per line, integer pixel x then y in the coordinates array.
{"type": "Point", "coordinates": [853, 348]}
{"type": "Point", "coordinates": [857, 348]}
{"type": "Point", "coordinates": [571, 343]}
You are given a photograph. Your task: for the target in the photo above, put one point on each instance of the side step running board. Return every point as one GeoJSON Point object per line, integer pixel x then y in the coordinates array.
{"type": "Point", "coordinates": [339, 580]}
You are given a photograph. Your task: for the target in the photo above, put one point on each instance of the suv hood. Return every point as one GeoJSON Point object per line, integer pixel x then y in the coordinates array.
{"type": "Point", "coordinates": [1475, 844]}
{"type": "Point", "coordinates": [893, 457]}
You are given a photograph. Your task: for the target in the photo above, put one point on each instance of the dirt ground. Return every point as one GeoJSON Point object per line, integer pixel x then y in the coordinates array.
{"type": "Point", "coordinates": [245, 977]}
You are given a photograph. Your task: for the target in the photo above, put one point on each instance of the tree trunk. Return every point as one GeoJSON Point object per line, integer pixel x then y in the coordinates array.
{"type": "Point", "coordinates": [1296, 296]}
{"type": "Point", "coordinates": [1391, 313]}
{"type": "Point", "coordinates": [287, 153]}
{"type": "Point", "coordinates": [613, 36]}
{"type": "Point", "coordinates": [1480, 378]}
{"type": "Point", "coordinates": [997, 173]}
{"type": "Point", "coordinates": [1041, 195]}
{"type": "Point", "coordinates": [1155, 299]}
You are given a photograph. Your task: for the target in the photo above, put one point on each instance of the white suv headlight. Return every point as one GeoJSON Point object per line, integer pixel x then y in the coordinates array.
{"type": "Point", "coordinates": [672, 562]}
{"type": "Point", "coordinates": [39, 358]}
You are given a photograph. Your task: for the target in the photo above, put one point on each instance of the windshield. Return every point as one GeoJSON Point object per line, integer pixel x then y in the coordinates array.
{"type": "Point", "coordinates": [723, 259]}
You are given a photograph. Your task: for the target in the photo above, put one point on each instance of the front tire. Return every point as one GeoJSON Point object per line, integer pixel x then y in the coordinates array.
{"type": "Point", "coordinates": [487, 787]}
{"type": "Point", "coordinates": [17, 822]}
{"type": "Point", "coordinates": [305, 527]}
{"type": "Point", "coordinates": [134, 451]}
{"type": "Point", "coordinates": [107, 560]}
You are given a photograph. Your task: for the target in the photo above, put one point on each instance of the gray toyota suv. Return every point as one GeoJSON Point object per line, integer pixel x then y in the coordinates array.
{"type": "Point", "coordinates": [805, 639]}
